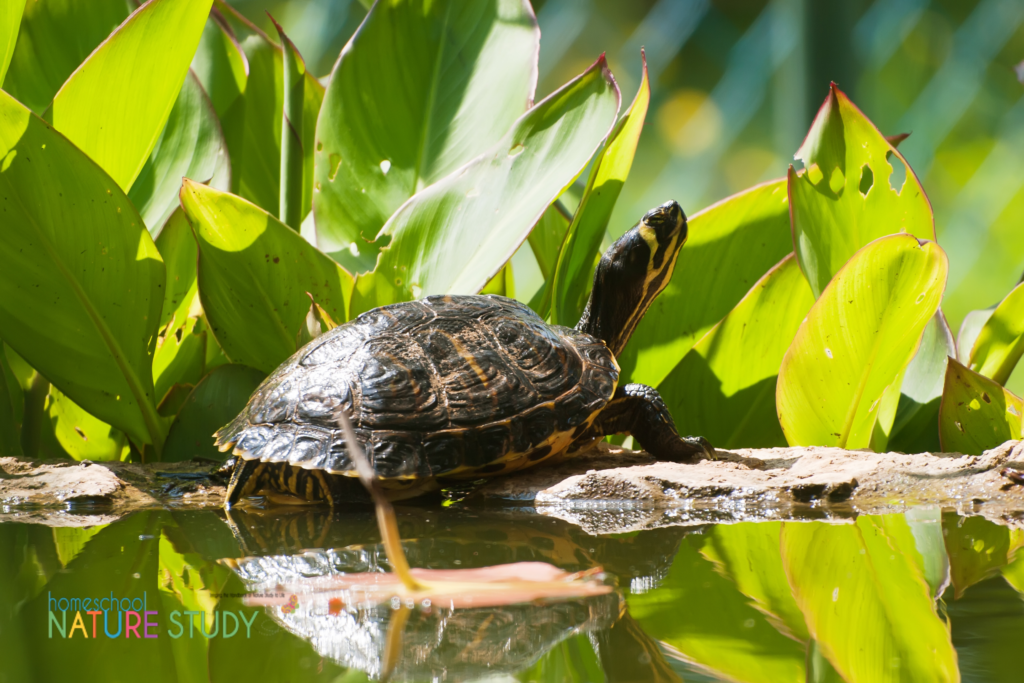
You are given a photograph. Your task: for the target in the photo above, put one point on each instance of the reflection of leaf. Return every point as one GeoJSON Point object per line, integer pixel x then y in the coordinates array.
{"type": "Point", "coordinates": [839, 376]}
{"type": "Point", "coordinates": [571, 661]}
{"type": "Point", "coordinates": [916, 426]}
{"type": "Point", "coordinates": [987, 626]}
{"type": "Point", "coordinates": [718, 629]}
{"type": "Point", "coordinates": [977, 549]}
{"type": "Point", "coordinates": [866, 602]}
{"type": "Point", "coordinates": [925, 524]}
{"type": "Point", "coordinates": [976, 413]}
{"type": "Point", "coordinates": [730, 246]}
{"type": "Point", "coordinates": [844, 198]}
{"type": "Point", "coordinates": [70, 541]}
{"type": "Point", "coordinates": [724, 388]}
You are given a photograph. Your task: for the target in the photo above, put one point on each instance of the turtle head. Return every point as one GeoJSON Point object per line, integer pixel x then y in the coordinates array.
{"type": "Point", "coordinates": [631, 273]}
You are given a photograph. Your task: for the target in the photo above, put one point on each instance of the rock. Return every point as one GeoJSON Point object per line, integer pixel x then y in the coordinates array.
{"type": "Point", "coordinates": [596, 492]}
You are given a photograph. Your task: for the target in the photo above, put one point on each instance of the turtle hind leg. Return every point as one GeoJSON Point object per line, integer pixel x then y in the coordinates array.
{"type": "Point", "coordinates": [245, 480]}
{"type": "Point", "coordinates": [638, 410]}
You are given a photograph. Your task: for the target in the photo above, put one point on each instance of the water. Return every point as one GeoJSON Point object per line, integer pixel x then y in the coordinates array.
{"type": "Point", "coordinates": [764, 601]}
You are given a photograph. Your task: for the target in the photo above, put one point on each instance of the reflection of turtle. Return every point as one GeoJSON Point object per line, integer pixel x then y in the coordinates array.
{"type": "Point", "coordinates": [462, 386]}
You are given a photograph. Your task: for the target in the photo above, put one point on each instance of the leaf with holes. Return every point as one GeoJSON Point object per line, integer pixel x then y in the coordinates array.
{"type": "Point", "coordinates": [80, 278]}
{"type": "Point", "coordinates": [724, 387]}
{"type": "Point", "coordinates": [254, 275]}
{"type": "Point", "coordinates": [838, 375]}
{"type": "Point", "coordinates": [454, 236]}
{"type": "Point", "coordinates": [846, 196]}
{"type": "Point", "coordinates": [115, 104]}
{"type": "Point", "coordinates": [976, 412]}
{"type": "Point", "coordinates": [1000, 342]}
{"type": "Point", "coordinates": [421, 89]}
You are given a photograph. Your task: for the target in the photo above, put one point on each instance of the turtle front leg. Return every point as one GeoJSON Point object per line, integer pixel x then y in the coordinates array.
{"type": "Point", "coordinates": [638, 410]}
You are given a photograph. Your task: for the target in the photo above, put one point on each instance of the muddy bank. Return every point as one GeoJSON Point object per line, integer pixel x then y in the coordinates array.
{"type": "Point", "coordinates": [607, 490]}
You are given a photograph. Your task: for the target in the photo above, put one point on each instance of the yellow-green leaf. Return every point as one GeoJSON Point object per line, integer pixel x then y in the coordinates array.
{"type": "Point", "coordinates": [608, 172]}
{"type": "Point", "coordinates": [976, 413]}
{"type": "Point", "coordinates": [843, 198]}
{"type": "Point", "coordinates": [83, 436]}
{"type": "Point", "coordinates": [10, 20]}
{"type": "Point", "coordinates": [180, 357]}
{"type": "Point", "coordinates": [977, 549]}
{"type": "Point", "coordinates": [178, 248]}
{"type": "Point", "coordinates": [841, 373]}
{"type": "Point", "coordinates": [115, 104]}
{"type": "Point", "coordinates": [220, 64]}
{"type": "Point", "coordinates": [1000, 343]}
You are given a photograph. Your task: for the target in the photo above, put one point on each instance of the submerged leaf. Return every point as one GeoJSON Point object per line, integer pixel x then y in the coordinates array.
{"type": "Point", "coordinates": [976, 412]}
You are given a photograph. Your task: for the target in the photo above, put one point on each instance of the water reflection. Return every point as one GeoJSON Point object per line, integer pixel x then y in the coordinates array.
{"type": "Point", "coordinates": [755, 602]}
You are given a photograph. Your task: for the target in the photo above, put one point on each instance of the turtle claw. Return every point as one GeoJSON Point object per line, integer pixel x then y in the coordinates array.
{"type": "Point", "coordinates": [701, 445]}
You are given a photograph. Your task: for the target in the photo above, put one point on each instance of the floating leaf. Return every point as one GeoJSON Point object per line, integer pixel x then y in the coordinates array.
{"type": "Point", "coordinates": [916, 426]}
{"type": "Point", "coordinates": [844, 198]}
{"type": "Point", "coordinates": [80, 434]}
{"type": "Point", "coordinates": [56, 36]}
{"type": "Point", "coordinates": [856, 342]}
{"type": "Point", "coordinates": [80, 305]}
{"type": "Point", "coordinates": [190, 146]}
{"type": "Point", "coordinates": [1000, 342]}
{"type": "Point", "coordinates": [455, 235]}
{"type": "Point", "coordinates": [421, 89]}
{"type": "Point", "coordinates": [10, 20]}
{"type": "Point", "coordinates": [724, 387]}
{"type": "Point", "coordinates": [866, 602]}
{"type": "Point", "coordinates": [608, 172]}
{"type": "Point", "coordinates": [977, 549]}
{"type": "Point", "coordinates": [254, 273]}
{"type": "Point", "coordinates": [178, 248]}
{"type": "Point", "coordinates": [115, 104]}
{"type": "Point", "coordinates": [220, 65]}
{"type": "Point", "coordinates": [214, 402]}
{"type": "Point", "coordinates": [976, 412]}
{"type": "Point", "coordinates": [731, 245]}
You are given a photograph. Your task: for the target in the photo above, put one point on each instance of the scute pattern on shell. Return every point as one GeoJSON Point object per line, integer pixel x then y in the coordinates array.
{"type": "Point", "coordinates": [447, 384]}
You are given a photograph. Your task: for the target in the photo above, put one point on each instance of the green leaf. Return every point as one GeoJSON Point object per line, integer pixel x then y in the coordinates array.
{"type": "Point", "coordinates": [254, 273]}
{"type": "Point", "coordinates": [253, 128]}
{"type": "Point", "coordinates": [215, 401]}
{"type": "Point", "coordinates": [970, 328]}
{"type": "Point", "coordinates": [455, 235]}
{"type": "Point", "coordinates": [916, 426]}
{"type": "Point", "coordinates": [80, 277]}
{"type": "Point", "coordinates": [730, 246]}
{"type": "Point", "coordinates": [575, 268]}
{"type": "Point", "coordinates": [1000, 343]}
{"type": "Point", "coordinates": [719, 629]}
{"type": "Point", "coordinates": [220, 65]}
{"type": "Point", "coordinates": [10, 20]}
{"type": "Point", "coordinates": [748, 554]}
{"type": "Point", "coordinates": [190, 146]}
{"type": "Point", "coordinates": [80, 434]}
{"type": "Point", "coordinates": [856, 342]}
{"type": "Point", "coordinates": [733, 403]}
{"type": "Point", "coordinates": [180, 357]}
{"type": "Point", "coordinates": [502, 284]}
{"type": "Point", "coordinates": [11, 408]}
{"type": "Point", "coordinates": [421, 89]}
{"type": "Point", "coordinates": [115, 104]}
{"type": "Point", "coordinates": [178, 248]}
{"type": "Point", "coordinates": [977, 549]}
{"type": "Point", "coordinates": [844, 199]}
{"type": "Point", "coordinates": [545, 242]}
{"type": "Point", "coordinates": [866, 602]}
{"type": "Point", "coordinates": [925, 524]}
{"type": "Point", "coordinates": [56, 36]}
{"type": "Point", "coordinates": [70, 541]}
{"type": "Point", "coordinates": [976, 412]}
{"type": "Point", "coordinates": [294, 68]}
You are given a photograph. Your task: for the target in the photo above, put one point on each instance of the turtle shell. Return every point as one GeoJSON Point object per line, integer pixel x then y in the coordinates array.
{"type": "Point", "coordinates": [453, 386]}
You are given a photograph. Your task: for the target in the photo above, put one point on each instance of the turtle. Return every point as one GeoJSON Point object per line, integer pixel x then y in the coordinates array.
{"type": "Point", "coordinates": [462, 387]}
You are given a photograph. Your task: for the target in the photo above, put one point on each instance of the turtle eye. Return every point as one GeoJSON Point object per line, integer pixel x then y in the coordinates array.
{"type": "Point", "coordinates": [665, 219]}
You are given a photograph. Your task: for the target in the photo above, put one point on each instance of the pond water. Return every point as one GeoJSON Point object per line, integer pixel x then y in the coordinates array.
{"type": "Point", "coordinates": [766, 601]}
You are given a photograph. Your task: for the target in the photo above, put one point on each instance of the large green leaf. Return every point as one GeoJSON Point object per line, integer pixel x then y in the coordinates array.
{"type": "Point", "coordinates": [916, 426]}
{"type": "Point", "coordinates": [977, 413]}
{"type": "Point", "coordinates": [11, 409]}
{"type": "Point", "coordinates": [180, 357]}
{"type": "Point", "coordinates": [252, 127]}
{"type": "Point", "coordinates": [294, 74]}
{"type": "Point", "coordinates": [56, 36]}
{"type": "Point", "coordinates": [190, 146]}
{"type": "Point", "coordinates": [844, 197]}
{"type": "Point", "coordinates": [10, 20]}
{"type": "Point", "coordinates": [866, 602]}
{"type": "Point", "coordinates": [214, 402]}
{"type": "Point", "coordinates": [421, 89]}
{"type": "Point", "coordinates": [454, 236]}
{"type": "Point", "coordinates": [856, 342]}
{"type": "Point", "coordinates": [724, 388]}
{"type": "Point", "coordinates": [608, 172]}
{"type": "Point", "coordinates": [545, 242]}
{"type": "Point", "coordinates": [970, 328]}
{"type": "Point", "coordinates": [730, 246]}
{"type": "Point", "coordinates": [719, 629]}
{"type": "Point", "coordinates": [977, 549]}
{"type": "Point", "coordinates": [254, 273]}
{"type": "Point", "coordinates": [80, 434]}
{"type": "Point", "coordinates": [80, 277]}
{"type": "Point", "coordinates": [1000, 342]}
{"type": "Point", "coordinates": [220, 64]}
{"type": "Point", "coordinates": [178, 249]}
{"type": "Point", "coordinates": [115, 104]}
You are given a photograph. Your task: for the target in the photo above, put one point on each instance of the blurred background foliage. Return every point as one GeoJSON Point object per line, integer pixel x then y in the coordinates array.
{"type": "Point", "coordinates": [736, 83]}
